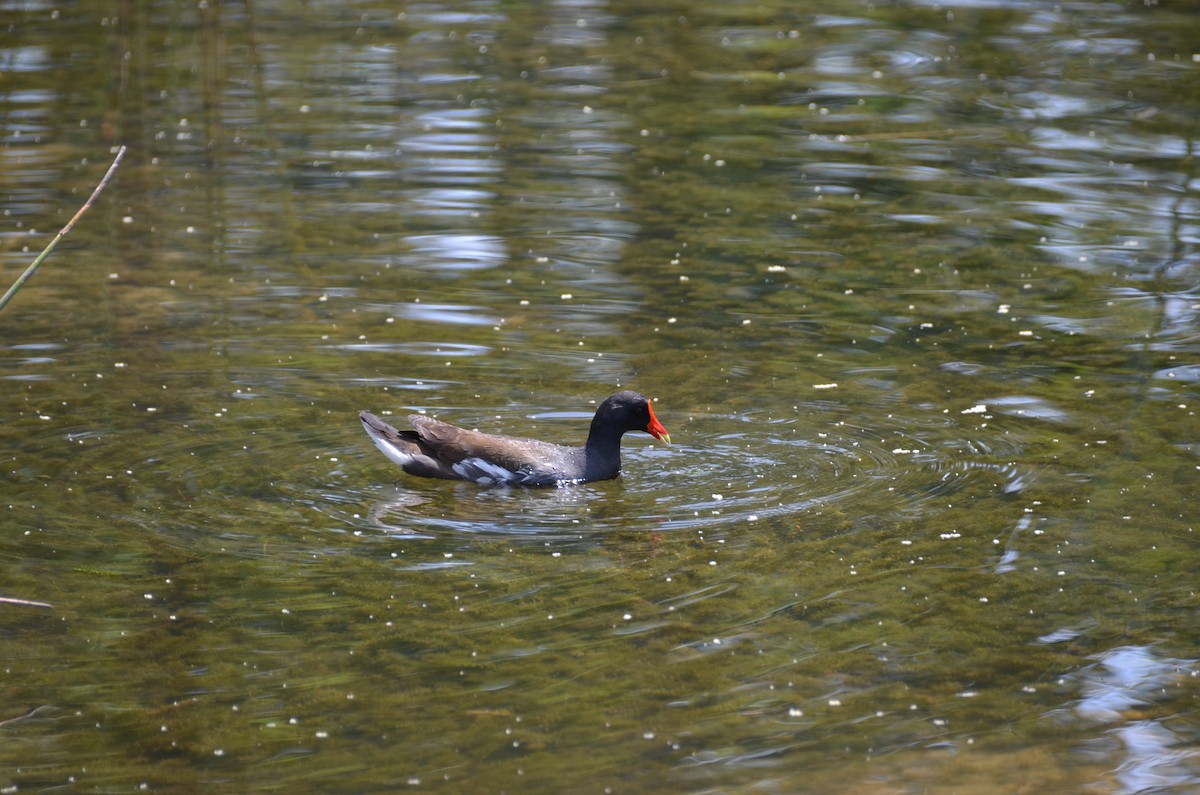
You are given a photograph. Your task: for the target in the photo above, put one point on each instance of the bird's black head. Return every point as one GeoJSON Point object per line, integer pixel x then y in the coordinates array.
{"type": "Point", "coordinates": [629, 411]}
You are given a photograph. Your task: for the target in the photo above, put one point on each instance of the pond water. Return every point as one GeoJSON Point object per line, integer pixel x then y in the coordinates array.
{"type": "Point", "coordinates": [914, 287]}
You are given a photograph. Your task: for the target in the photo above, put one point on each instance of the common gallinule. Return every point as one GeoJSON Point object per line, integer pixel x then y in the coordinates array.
{"type": "Point", "coordinates": [437, 449]}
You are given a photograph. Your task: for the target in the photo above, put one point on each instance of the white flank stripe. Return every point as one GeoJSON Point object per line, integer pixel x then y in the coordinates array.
{"type": "Point", "coordinates": [482, 471]}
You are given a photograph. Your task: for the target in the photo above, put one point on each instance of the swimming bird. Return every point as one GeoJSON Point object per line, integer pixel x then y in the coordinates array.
{"type": "Point", "coordinates": [436, 449]}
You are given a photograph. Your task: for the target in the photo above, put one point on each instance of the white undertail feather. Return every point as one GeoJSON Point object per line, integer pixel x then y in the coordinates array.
{"type": "Point", "coordinates": [388, 449]}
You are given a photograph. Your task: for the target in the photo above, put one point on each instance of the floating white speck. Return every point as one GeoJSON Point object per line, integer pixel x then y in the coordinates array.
{"type": "Point", "coordinates": [824, 386]}
{"type": "Point", "coordinates": [978, 408]}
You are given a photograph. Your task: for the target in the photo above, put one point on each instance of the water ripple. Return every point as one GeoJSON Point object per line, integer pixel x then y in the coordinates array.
{"type": "Point", "coordinates": [707, 483]}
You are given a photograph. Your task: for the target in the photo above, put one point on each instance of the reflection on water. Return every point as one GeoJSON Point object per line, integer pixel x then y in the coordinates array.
{"type": "Point", "coordinates": [1128, 681]}
{"type": "Point", "coordinates": [914, 287]}
{"type": "Point", "coordinates": [1156, 759]}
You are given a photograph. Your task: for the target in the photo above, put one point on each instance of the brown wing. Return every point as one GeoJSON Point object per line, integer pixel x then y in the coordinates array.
{"type": "Point", "coordinates": [452, 444]}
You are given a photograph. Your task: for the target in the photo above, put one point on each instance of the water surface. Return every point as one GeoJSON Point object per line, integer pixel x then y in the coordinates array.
{"type": "Point", "coordinates": [914, 288]}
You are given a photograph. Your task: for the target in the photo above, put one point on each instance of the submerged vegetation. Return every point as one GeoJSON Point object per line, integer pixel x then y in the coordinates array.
{"type": "Point", "coordinates": [915, 300]}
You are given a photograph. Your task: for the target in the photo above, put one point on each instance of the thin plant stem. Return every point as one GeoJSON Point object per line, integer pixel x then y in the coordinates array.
{"type": "Point", "coordinates": [12, 600]}
{"type": "Point", "coordinates": [87, 205]}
